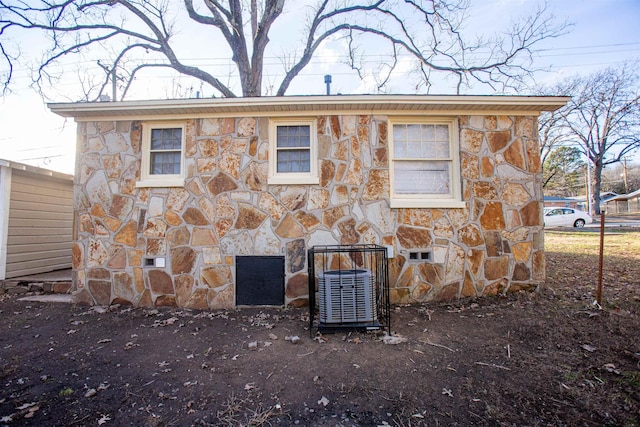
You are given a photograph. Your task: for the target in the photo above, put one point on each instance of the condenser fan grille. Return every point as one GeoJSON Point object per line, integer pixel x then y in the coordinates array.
{"type": "Point", "coordinates": [346, 296]}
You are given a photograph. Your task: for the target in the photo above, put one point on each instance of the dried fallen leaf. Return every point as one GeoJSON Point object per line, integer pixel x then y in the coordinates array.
{"type": "Point", "coordinates": [26, 405]}
{"type": "Point", "coordinates": [31, 412]}
{"type": "Point", "coordinates": [589, 348]}
{"type": "Point", "coordinates": [130, 345]}
{"type": "Point", "coordinates": [610, 367]}
{"type": "Point", "coordinates": [294, 339]}
{"type": "Point", "coordinates": [393, 339]}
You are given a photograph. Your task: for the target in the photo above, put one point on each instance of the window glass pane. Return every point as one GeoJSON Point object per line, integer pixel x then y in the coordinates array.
{"type": "Point", "coordinates": [428, 149]}
{"type": "Point", "coordinates": [400, 133]}
{"type": "Point", "coordinates": [293, 161]}
{"type": "Point", "coordinates": [166, 139]}
{"type": "Point", "coordinates": [421, 177]}
{"type": "Point", "coordinates": [428, 132]}
{"type": "Point", "coordinates": [166, 155]}
{"type": "Point", "coordinates": [414, 150]}
{"type": "Point", "coordinates": [415, 141]}
{"type": "Point", "coordinates": [422, 173]}
{"type": "Point", "coordinates": [293, 136]}
{"type": "Point", "coordinates": [399, 148]}
{"type": "Point", "coordinates": [165, 163]}
{"type": "Point", "coordinates": [441, 133]}
{"type": "Point", "coordinates": [442, 150]}
{"type": "Point", "coordinates": [414, 133]}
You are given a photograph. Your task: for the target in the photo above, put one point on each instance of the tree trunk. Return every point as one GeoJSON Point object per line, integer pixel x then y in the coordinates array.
{"type": "Point", "coordinates": [597, 185]}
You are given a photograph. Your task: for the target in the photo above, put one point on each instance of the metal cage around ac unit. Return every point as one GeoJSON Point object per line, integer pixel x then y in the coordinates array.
{"type": "Point", "coordinates": [348, 288]}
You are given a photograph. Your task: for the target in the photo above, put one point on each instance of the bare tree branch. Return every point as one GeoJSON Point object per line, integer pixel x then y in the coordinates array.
{"type": "Point", "coordinates": [429, 32]}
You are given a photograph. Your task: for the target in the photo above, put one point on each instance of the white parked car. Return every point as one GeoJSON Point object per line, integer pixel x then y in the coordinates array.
{"type": "Point", "coordinates": [566, 217]}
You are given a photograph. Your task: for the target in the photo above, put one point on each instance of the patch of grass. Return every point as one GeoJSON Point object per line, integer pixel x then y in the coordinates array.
{"type": "Point", "coordinates": [572, 267]}
{"type": "Point", "coordinates": [618, 243]}
{"type": "Point", "coordinates": [632, 378]}
{"type": "Point", "coordinates": [67, 391]}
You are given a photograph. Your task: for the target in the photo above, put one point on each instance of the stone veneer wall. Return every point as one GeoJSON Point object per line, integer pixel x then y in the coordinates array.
{"type": "Point", "coordinates": [226, 208]}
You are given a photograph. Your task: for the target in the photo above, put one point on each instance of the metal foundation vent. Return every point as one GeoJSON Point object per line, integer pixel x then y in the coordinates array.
{"type": "Point", "coordinates": [346, 296]}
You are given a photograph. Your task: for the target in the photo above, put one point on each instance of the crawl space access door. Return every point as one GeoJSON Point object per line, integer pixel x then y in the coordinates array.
{"type": "Point", "coordinates": [259, 280]}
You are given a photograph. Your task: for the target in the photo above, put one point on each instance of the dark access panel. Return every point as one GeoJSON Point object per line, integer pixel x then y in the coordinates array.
{"type": "Point", "coordinates": [259, 280]}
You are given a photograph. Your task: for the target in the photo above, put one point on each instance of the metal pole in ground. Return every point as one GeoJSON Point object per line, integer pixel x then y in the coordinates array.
{"type": "Point", "coordinates": [599, 293]}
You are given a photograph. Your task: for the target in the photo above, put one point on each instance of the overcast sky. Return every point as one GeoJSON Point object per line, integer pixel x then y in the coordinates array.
{"type": "Point", "coordinates": [604, 33]}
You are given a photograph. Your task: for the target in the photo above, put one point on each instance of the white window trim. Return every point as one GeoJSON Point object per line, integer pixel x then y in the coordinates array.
{"type": "Point", "coordinates": [310, 177]}
{"type": "Point", "coordinates": [169, 180]}
{"type": "Point", "coordinates": [429, 201]}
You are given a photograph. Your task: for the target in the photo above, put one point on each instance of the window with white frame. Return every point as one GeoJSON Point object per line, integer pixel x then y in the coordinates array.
{"type": "Point", "coordinates": [162, 154]}
{"type": "Point", "coordinates": [424, 169]}
{"type": "Point", "coordinates": [293, 152]}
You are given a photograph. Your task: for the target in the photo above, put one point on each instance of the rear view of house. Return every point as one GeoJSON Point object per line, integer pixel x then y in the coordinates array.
{"type": "Point", "coordinates": [185, 202]}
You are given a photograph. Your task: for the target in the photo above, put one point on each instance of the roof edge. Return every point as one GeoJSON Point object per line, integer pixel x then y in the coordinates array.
{"type": "Point", "coordinates": [310, 103]}
{"type": "Point", "coordinates": [35, 170]}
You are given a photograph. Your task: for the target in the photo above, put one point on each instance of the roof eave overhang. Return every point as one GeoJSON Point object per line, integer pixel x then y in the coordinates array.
{"type": "Point", "coordinates": [310, 105]}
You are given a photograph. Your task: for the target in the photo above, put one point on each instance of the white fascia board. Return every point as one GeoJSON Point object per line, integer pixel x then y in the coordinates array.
{"type": "Point", "coordinates": [472, 104]}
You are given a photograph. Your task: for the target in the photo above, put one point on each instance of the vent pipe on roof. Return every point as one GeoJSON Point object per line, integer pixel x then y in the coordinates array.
{"type": "Point", "coordinates": [327, 81]}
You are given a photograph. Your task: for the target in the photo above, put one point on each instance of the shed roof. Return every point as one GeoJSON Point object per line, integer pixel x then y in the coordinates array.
{"type": "Point", "coordinates": [35, 170]}
{"type": "Point", "coordinates": [310, 105]}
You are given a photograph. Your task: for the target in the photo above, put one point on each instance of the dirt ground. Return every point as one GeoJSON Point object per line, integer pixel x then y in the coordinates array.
{"type": "Point", "coordinates": [544, 359]}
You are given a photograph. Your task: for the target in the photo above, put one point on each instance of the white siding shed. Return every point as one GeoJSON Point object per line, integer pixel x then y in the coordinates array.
{"type": "Point", "coordinates": [36, 220]}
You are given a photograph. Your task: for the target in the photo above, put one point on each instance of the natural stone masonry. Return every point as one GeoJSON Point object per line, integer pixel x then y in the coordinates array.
{"type": "Point", "coordinates": [226, 208]}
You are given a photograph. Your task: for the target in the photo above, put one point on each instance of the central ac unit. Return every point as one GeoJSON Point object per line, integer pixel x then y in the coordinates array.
{"type": "Point", "coordinates": [346, 296]}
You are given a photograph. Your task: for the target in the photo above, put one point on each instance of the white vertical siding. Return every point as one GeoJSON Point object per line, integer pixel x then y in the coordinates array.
{"type": "Point", "coordinates": [39, 235]}
{"type": "Point", "coordinates": [5, 191]}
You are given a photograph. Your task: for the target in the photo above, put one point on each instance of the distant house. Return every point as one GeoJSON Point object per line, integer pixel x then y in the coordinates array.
{"type": "Point", "coordinates": [560, 202]}
{"type": "Point", "coordinates": [624, 203]}
{"type": "Point", "coordinates": [581, 201]}
{"type": "Point", "coordinates": [170, 195]}
{"type": "Point", "coordinates": [36, 218]}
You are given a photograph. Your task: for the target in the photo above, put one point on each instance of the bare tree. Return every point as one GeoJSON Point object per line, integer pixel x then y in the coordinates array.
{"type": "Point", "coordinates": [550, 133]}
{"type": "Point", "coordinates": [621, 178]}
{"type": "Point", "coordinates": [133, 35]}
{"type": "Point", "coordinates": [602, 118]}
